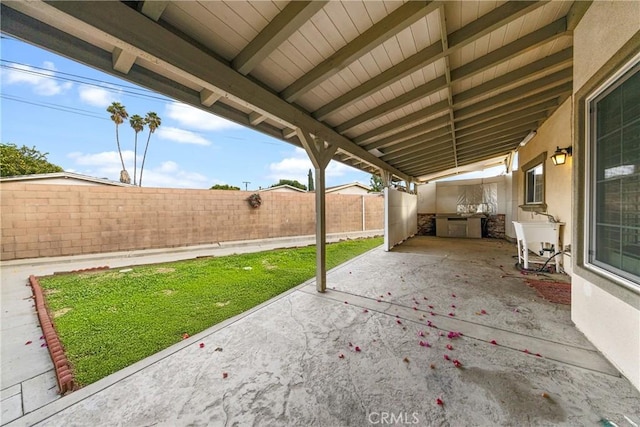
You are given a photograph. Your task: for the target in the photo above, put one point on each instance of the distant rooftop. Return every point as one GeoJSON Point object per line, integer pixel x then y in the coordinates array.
{"type": "Point", "coordinates": [60, 177]}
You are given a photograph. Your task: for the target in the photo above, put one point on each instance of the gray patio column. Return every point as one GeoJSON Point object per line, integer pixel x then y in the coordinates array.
{"type": "Point", "coordinates": [320, 155]}
{"type": "Point", "coordinates": [386, 178]}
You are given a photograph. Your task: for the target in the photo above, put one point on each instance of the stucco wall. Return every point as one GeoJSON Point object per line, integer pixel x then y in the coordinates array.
{"type": "Point", "coordinates": [55, 220]}
{"type": "Point", "coordinates": [603, 30]}
{"type": "Point", "coordinates": [427, 198]}
{"type": "Point", "coordinates": [604, 310]}
{"type": "Point", "coordinates": [556, 131]}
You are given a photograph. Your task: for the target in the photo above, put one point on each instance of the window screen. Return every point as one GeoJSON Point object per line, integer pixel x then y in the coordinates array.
{"type": "Point", "coordinates": [614, 243]}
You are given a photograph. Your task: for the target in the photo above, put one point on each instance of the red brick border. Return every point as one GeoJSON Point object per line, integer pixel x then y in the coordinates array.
{"type": "Point", "coordinates": [64, 374]}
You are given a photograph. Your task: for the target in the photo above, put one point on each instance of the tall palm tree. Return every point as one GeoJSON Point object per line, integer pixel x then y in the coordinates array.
{"type": "Point", "coordinates": [137, 123]}
{"type": "Point", "coordinates": [154, 122]}
{"type": "Point", "coordinates": [118, 114]}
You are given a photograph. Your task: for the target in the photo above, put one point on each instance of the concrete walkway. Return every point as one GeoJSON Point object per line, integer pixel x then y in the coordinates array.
{"type": "Point", "coordinates": [27, 376]}
{"type": "Point", "coordinates": [295, 361]}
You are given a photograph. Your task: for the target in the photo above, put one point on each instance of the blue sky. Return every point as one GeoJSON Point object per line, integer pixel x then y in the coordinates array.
{"type": "Point", "coordinates": [59, 106]}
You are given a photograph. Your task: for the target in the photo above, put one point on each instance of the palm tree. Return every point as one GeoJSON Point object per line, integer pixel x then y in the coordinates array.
{"type": "Point", "coordinates": [154, 122]}
{"type": "Point", "coordinates": [118, 114]}
{"type": "Point", "coordinates": [137, 123]}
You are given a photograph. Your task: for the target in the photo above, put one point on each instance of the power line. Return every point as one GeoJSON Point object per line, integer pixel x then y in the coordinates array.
{"type": "Point", "coordinates": [110, 87]}
{"type": "Point", "coordinates": [102, 84]}
{"type": "Point", "coordinates": [57, 107]}
{"type": "Point", "coordinates": [14, 63]}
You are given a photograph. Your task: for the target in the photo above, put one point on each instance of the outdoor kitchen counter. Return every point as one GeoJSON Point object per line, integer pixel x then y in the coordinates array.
{"type": "Point", "coordinates": [455, 225]}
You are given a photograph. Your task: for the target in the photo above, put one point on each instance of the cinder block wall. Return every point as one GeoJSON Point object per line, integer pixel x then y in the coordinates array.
{"type": "Point", "coordinates": [55, 220]}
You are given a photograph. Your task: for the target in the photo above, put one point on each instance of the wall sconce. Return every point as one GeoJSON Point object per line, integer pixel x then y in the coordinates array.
{"type": "Point", "coordinates": [560, 156]}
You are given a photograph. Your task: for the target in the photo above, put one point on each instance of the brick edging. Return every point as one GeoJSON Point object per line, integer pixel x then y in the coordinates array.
{"type": "Point", "coordinates": [64, 374]}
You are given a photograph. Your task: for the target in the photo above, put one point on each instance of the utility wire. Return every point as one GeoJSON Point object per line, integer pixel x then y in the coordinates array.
{"type": "Point", "coordinates": [57, 107]}
{"type": "Point", "coordinates": [102, 84]}
{"type": "Point", "coordinates": [110, 87]}
{"type": "Point", "coordinates": [16, 65]}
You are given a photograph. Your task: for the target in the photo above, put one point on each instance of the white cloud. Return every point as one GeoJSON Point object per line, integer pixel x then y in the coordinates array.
{"type": "Point", "coordinates": [105, 160]}
{"type": "Point", "coordinates": [168, 167]}
{"type": "Point", "coordinates": [155, 177]}
{"type": "Point", "coordinates": [194, 118]}
{"type": "Point", "coordinates": [181, 136]}
{"type": "Point", "coordinates": [42, 82]}
{"type": "Point", "coordinates": [107, 165]}
{"type": "Point", "coordinates": [297, 168]}
{"type": "Point", "coordinates": [96, 96]}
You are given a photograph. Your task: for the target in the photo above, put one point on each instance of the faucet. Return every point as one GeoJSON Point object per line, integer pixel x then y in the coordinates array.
{"type": "Point", "coordinates": [550, 217]}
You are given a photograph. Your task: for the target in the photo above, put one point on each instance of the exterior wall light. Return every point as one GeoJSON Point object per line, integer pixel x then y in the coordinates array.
{"type": "Point", "coordinates": [560, 156]}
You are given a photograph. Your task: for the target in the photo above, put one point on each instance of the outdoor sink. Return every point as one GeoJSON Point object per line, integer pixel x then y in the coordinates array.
{"type": "Point", "coordinates": [535, 236]}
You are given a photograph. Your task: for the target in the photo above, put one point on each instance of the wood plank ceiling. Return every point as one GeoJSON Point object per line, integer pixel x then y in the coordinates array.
{"type": "Point", "coordinates": [416, 88]}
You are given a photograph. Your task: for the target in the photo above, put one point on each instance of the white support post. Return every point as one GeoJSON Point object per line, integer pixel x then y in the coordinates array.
{"type": "Point", "coordinates": [320, 157]}
{"type": "Point", "coordinates": [386, 178]}
{"type": "Point", "coordinates": [321, 232]}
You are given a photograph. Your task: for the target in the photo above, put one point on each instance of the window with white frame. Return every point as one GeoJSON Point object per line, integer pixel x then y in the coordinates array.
{"type": "Point", "coordinates": [534, 187]}
{"type": "Point", "coordinates": [613, 182]}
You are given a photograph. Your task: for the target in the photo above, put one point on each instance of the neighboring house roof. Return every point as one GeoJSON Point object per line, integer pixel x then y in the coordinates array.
{"type": "Point", "coordinates": [63, 178]}
{"type": "Point", "coordinates": [351, 187]}
{"type": "Point", "coordinates": [284, 188]}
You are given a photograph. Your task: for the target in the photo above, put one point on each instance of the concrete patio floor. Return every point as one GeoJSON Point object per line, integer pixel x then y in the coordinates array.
{"type": "Point", "coordinates": [283, 364]}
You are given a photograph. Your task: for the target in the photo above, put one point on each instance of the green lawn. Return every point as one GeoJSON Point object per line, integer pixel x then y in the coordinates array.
{"type": "Point", "coordinates": [108, 320]}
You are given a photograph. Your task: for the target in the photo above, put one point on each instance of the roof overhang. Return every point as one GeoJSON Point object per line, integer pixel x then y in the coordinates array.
{"type": "Point", "coordinates": [416, 89]}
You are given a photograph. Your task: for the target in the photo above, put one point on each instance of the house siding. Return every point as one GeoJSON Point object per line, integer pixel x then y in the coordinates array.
{"type": "Point", "coordinates": [607, 312]}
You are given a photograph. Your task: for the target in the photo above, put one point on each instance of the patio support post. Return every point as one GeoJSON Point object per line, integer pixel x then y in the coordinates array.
{"type": "Point", "coordinates": [320, 155]}
{"type": "Point", "coordinates": [386, 178]}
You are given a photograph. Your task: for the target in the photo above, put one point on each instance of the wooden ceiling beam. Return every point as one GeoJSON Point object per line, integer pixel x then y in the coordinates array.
{"type": "Point", "coordinates": [518, 47]}
{"type": "Point", "coordinates": [119, 24]}
{"type": "Point", "coordinates": [560, 59]}
{"type": "Point", "coordinates": [389, 26]}
{"type": "Point", "coordinates": [462, 37]}
{"type": "Point", "coordinates": [279, 29]}
{"type": "Point", "coordinates": [403, 100]}
{"type": "Point", "coordinates": [418, 116]}
{"type": "Point", "coordinates": [153, 9]}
